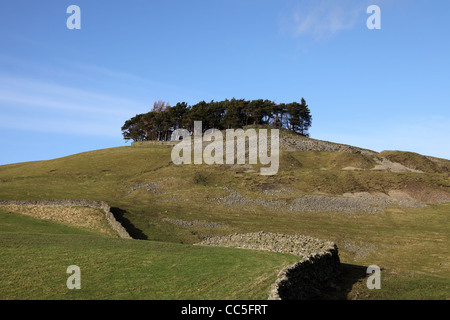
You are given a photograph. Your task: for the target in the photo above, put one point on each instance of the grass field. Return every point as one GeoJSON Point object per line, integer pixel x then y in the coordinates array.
{"type": "Point", "coordinates": [147, 191]}
{"type": "Point", "coordinates": [35, 255]}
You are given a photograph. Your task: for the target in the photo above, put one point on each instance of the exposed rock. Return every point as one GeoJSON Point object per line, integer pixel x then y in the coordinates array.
{"type": "Point", "coordinates": [289, 142]}
{"type": "Point", "coordinates": [348, 203]}
{"type": "Point", "coordinates": [387, 165]}
{"type": "Point", "coordinates": [151, 186]}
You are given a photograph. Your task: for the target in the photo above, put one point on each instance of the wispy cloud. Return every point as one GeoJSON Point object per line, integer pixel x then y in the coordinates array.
{"type": "Point", "coordinates": [74, 97]}
{"type": "Point", "coordinates": [320, 19]}
{"type": "Point", "coordinates": [38, 105]}
{"type": "Point", "coordinates": [61, 125]}
{"type": "Point", "coordinates": [35, 93]}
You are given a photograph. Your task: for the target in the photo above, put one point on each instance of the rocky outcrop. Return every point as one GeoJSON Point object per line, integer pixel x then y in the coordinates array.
{"type": "Point", "coordinates": [364, 202]}
{"type": "Point", "coordinates": [290, 142]}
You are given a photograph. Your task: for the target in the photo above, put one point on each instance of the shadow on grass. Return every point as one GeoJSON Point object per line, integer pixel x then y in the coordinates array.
{"type": "Point", "coordinates": [134, 232]}
{"type": "Point", "coordinates": [340, 287]}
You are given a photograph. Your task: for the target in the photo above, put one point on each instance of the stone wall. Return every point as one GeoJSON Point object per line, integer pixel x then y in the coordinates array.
{"type": "Point", "coordinates": [305, 278]}
{"type": "Point", "coordinates": [115, 225]}
{"type": "Point", "coordinates": [318, 265]}
{"type": "Point", "coordinates": [153, 143]}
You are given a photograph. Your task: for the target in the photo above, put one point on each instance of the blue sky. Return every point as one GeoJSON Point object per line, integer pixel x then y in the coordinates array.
{"type": "Point", "coordinates": [68, 91]}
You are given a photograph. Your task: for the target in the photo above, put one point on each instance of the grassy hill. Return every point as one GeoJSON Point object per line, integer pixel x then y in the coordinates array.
{"type": "Point", "coordinates": [387, 209]}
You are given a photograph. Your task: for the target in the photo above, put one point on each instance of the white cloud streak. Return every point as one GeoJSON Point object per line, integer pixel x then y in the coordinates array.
{"type": "Point", "coordinates": [321, 19]}
{"type": "Point", "coordinates": [61, 125]}
{"type": "Point", "coordinates": [37, 105]}
{"type": "Point", "coordinates": [35, 93]}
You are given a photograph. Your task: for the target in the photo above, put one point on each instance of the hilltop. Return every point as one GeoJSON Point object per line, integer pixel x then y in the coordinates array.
{"type": "Point", "coordinates": [388, 208]}
{"type": "Point", "coordinates": [147, 190]}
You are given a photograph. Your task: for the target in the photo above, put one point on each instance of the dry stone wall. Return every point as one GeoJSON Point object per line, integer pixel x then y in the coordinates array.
{"type": "Point", "coordinates": [319, 264]}
{"type": "Point", "coordinates": [305, 278]}
{"type": "Point", "coordinates": [115, 225]}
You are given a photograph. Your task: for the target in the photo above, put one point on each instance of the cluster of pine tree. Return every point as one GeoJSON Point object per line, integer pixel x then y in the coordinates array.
{"type": "Point", "coordinates": [158, 124]}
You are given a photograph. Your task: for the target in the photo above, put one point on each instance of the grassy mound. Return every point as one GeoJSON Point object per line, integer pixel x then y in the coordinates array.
{"type": "Point", "coordinates": [418, 162]}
